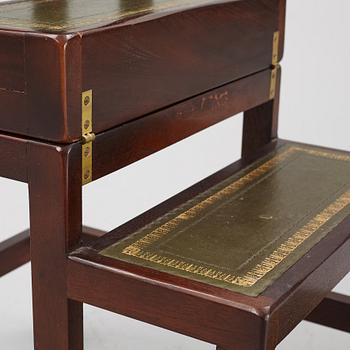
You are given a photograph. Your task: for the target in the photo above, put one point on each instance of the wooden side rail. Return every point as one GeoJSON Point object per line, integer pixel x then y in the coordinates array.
{"type": "Point", "coordinates": [130, 142]}
{"type": "Point", "coordinates": [121, 146]}
{"type": "Point", "coordinates": [333, 312]}
{"type": "Point", "coordinates": [15, 251]}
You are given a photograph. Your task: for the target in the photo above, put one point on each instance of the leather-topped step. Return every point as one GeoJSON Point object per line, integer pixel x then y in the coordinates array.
{"type": "Point", "coordinates": [246, 231]}
{"type": "Point", "coordinates": [137, 57]}
{"type": "Point", "coordinates": [243, 256]}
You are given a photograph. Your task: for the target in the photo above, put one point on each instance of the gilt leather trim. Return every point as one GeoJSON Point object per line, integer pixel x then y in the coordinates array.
{"type": "Point", "coordinates": [272, 234]}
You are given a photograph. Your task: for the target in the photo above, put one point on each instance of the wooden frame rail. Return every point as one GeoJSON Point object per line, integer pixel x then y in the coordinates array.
{"type": "Point", "coordinates": [130, 142]}
{"type": "Point", "coordinates": [333, 312]}
{"type": "Point", "coordinates": [15, 251]}
{"type": "Point", "coordinates": [135, 140]}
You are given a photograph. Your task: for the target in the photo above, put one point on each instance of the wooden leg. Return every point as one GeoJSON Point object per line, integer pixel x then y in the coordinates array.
{"type": "Point", "coordinates": [260, 124]}
{"type": "Point", "coordinates": [54, 178]}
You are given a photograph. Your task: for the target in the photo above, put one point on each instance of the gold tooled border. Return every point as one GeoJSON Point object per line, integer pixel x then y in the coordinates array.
{"type": "Point", "coordinates": [93, 19]}
{"type": "Point", "coordinates": [138, 248]}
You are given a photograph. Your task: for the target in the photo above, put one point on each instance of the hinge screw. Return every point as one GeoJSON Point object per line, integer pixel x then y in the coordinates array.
{"type": "Point", "coordinates": [86, 174]}
{"type": "Point", "coordinates": [87, 152]}
{"type": "Point", "coordinates": [86, 124]}
{"type": "Point", "coordinates": [86, 100]}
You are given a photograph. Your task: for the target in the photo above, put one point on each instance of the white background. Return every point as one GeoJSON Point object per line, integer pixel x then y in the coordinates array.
{"type": "Point", "coordinates": [314, 109]}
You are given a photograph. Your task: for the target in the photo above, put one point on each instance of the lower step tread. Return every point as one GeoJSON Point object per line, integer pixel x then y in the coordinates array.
{"type": "Point", "coordinates": [244, 232]}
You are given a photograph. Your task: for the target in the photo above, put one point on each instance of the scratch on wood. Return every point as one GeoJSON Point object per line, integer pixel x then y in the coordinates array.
{"type": "Point", "coordinates": [215, 100]}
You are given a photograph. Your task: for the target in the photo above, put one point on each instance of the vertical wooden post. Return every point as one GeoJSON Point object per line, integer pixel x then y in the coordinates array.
{"type": "Point", "coordinates": [261, 123]}
{"type": "Point", "coordinates": [55, 218]}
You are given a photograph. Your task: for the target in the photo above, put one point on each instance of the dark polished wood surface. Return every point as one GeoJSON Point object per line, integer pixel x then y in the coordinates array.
{"type": "Point", "coordinates": [15, 251]}
{"type": "Point", "coordinates": [134, 68]}
{"type": "Point", "coordinates": [11, 63]}
{"type": "Point", "coordinates": [119, 147]}
{"type": "Point", "coordinates": [160, 71]}
{"type": "Point", "coordinates": [132, 141]}
{"type": "Point", "coordinates": [60, 16]}
{"type": "Point", "coordinates": [334, 312]}
{"type": "Point", "coordinates": [154, 296]}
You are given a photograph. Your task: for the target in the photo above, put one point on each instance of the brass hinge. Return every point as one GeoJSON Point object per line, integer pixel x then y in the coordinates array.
{"type": "Point", "coordinates": [275, 49]}
{"type": "Point", "coordinates": [273, 83]}
{"type": "Point", "coordinates": [87, 136]}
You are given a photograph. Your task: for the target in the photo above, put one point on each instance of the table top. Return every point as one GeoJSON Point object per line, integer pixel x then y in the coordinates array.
{"type": "Point", "coordinates": [64, 16]}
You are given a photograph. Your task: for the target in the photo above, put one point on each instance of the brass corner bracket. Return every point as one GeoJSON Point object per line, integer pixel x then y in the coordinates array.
{"type": "Point", "coordinates": [87, 136]}
{"type": "Point", "coordinates": [274, 64]}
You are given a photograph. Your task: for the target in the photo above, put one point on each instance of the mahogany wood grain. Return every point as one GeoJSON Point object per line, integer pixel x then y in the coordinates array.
{"type": "Point", "coordinates": [90, 234]}
{"type": "Point", "coordinates": [333, 312]}
{"type": "Point", "coordinates": [55, 220]}
{"type": "Point", "coordinates": [135, 140]}
{"type": "Point", "coordinates": [12, 63]}
{"type": "Point", "coordinates": [46, 80]}
{"type": "Point", "coordinates": [13, 157]}
{"type": "Point", "coordinates": [12, 82]}
{"type": "Point", "coordinates": [131, 76]}
{"type": "Point", "coordinates": [261, 123]}
{"type": "Point", "coordinates": [13, 116]}
{"type": "Point", "coordinates": [14, 252]}
{"type": "Point", "coordinates": [281, 27]}
{"type": "Point", "coordinates": [139, 75]}
{"type": "Point", "coordinates": [163, 305]}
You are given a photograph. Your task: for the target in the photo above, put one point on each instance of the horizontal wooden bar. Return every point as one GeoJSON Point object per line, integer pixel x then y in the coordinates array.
{"type": "Point", "coordinates": [160, 304]}
{"type": "Point", "coordinates": [135, 140]}
{"type": "Point", "coordinates": [15, 251]}
{"type": "Point", "coordinates": [91, 234]}
{"type": "Point", "coordinates": [333, 312]}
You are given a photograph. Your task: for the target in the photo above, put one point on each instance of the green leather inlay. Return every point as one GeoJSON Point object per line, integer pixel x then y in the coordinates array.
{"type": "Point", "coordinates": [245, 232]}
{"type": "Point", "coordinates": [56, 16]}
